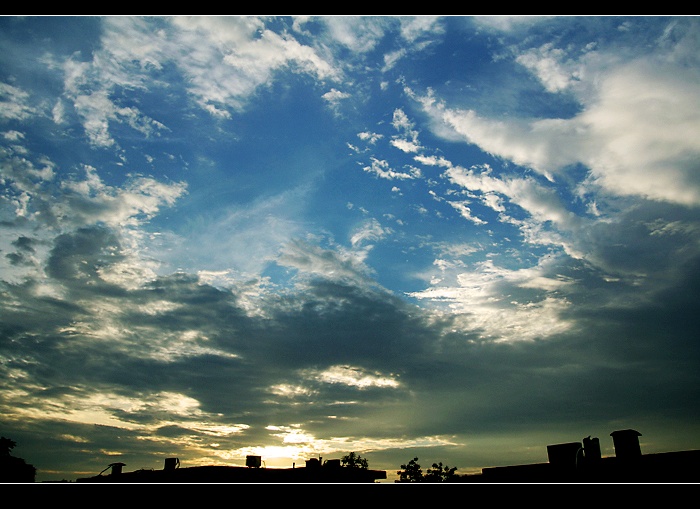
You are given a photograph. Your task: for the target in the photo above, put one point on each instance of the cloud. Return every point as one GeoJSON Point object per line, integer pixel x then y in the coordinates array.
{"type": "Point", "coordinates": [220, 62]}
{"type": "Point", "coordinates": [90, 201]}
{"type": "Point", "coordinates": [370, 231]}
{"type": "Point", "coordinates": [13, 103]}
{"type": "Point", "coordinates": [239, 239]}
{"type": "Point", "coordinates": [370, 137]}
{"type": "Point", "coordinates": [191, 270]}
{"type": "Point", "coordinates": [542, 203]}
{"type": "Point", "coordinates": [546, 63]}
{"type": "Point", "coordinates": [334, 98]}
{"type": "Point", "coordinates": [508, 23]}
{"type": "Point", "coordinates": [97, 110]}
{"type": "Point", "coordinates": [641, 127]}
{"type": "Point", "coordinates": [465, 211]}
{"type": "Point", "coordinates": [633, 132]}
{"type": "Point", "coordinates": [413, 28]}
{"type": "Point", "coordinates": [405, 145]}
{"type": "Point", "coordinates": [353, 377]}
{"type": "Point", "coordinates": [477, 299]}
{"type": "Point", "coordinates": [381, 169]}
{"type": "Point", "coordinates": [402, 124]}
{"type": "Point", "coordinates": [358, 33]}
{"type": "Point", "coordinates": [332, 264]}
{"type": "Point", "coordinates": [47, 209]}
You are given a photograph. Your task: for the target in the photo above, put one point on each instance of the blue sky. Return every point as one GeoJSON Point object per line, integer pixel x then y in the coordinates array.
{"type": "Point", "coordinates": [453, 238]}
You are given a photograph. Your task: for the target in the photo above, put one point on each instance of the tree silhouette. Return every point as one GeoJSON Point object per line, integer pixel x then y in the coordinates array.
{"type": "Point", "coordinates": [353, 460]}
{"type": "Point", "coordinates": [411, 472]}
{"type": "Point", "coordinates": [6, 445]}
{"type": "Point", "coordinates": [14, 469]}
{"type": "Point", "coordinates": [438, 473]}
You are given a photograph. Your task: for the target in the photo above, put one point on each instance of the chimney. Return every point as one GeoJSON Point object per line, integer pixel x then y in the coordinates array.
{"type": "Point", "coordinates": [626, 442]}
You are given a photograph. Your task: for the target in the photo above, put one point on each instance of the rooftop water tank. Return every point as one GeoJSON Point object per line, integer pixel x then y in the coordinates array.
{"type": "Point", "coordinates": [626, 442]}
{"type": "Point", "coordinates": [563, 456]}
{"type": "Point", "coordinates": [253, 461]}
{"type": "Point", "coordinates": [171, 464]}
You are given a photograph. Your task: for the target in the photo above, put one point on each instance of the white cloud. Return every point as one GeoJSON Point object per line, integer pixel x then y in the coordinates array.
{"type": "Point", "coordinates": [335, 96]}
{"type": "Point", "coordinates": [508, 23]}
{"type": "Point", "coordinates": [13, 103]}
{"type": "Point", "coordinates": [358, 33]}
{"type": "Point", "coordinates": [637, 133]}
{"type": "Point", "coordinates": [418, 32]}
{"type": "Point", "coordinates": [90, 201]}
{"type": "Point", "coordinates": [641, 133]}
{"type": "Point", "coordinates": [546, 63]}
{"type": "Point", "coordinates": [331, 264]}
{"type": "Point", "coordinates": [98, 110]}
{"type": "Point", "coordinates": [381, 169]}
{"type": "Point", "coordinates": [401, 122]}
{"type": "Point", "coordinates": [222, 60]}
{"type": "Point", "coordinates": [478, 300]}
{"type": "Point", "coordinates": [415, 27]}
{"type": "Point", "coordinates": [406, 146]}
{"type": "Point", "coordinates": [543, 204]}
{"type": "Point", "coordinates": [433, 161]}
{"type": "Point", "coordinates": [465, 211]}
{"type": "Point", "coordinates": [370, 137]}
{"type": "Point", "coordinates": [391, 58]}
{"type": "Point", "coordinates": [354, 377]}
{"type": "Point", "coordinates": [369, 231]}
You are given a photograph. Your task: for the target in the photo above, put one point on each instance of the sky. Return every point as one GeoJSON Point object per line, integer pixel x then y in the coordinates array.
{"type": "Point", "coordinates": [452, 238]}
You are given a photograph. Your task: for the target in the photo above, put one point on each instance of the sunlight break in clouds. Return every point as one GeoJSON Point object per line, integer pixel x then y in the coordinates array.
{"type": "Point", "coordinates": [353, 376]}
{"type": "Point", "coordinates": [477, 296]}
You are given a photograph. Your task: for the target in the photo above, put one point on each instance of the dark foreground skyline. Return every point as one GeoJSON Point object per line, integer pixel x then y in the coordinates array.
{"type": "Point", "coordinates": [570, 463]}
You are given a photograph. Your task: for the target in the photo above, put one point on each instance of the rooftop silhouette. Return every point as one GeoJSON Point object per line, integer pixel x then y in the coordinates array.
{"type": "Point", "coordinates": [315, 471]}
{"type": "Point", "coordinates": [574, 462]}
{"type": "Point", "coordinates": [570, 462]}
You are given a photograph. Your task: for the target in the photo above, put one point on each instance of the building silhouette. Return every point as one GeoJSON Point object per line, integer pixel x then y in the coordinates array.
{"type": "Point", "coordinates": [581, 462]}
